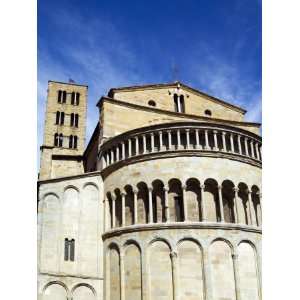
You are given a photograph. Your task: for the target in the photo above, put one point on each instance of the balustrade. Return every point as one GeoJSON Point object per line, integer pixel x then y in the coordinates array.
{"type": "Point", "coordinates": [200, 139]}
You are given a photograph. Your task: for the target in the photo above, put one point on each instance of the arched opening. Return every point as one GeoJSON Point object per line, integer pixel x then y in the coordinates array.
{"type": "Point", "coordinates": [256, 205]}
{"type": "Point", "coordinates": [182, 105]}
{"type": "Point", "coordinates": [176, 104]}
{"type": "Point", "coordinates": [228, 201]}
{"type": "Point", "coordinates": [59, 96]}
{"type": "Point", "coordinates": [207, 112]}
{"type": "Point", "coordinates": [159, 205]}
{"type": "Point", "coordinates": [56, 140]}
{"type": "Point", "coordinates": [60, 138]}
{"type": "Point", "coordinates": [176, 201]}
{"type": "Point", "coordinates": [152, 103]}
{"type": "Point", "coordinates": [64, 96]}
{"type": "Point", "coordinates": [243, 204]}
{"type": "Point", "coordinates": [142, 203]}
{"type": "Point", "coordinates": [73, 98]}
{"type": "Point", "coordinates": [129, 202]}
{"type": "Point", "coordinates": [193, 200]}
{"type": "Point", "coordinates": [77, 99]}
{"type": "Point", "coordinates": [57, 118]}
{"type": "Point", "coordinates": [210, 202]}
{"type": "Point", "coordinates": [118, 208]}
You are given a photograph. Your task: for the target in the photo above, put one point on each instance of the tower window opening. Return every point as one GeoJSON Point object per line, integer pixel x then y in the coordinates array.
{"type": "Point", "coordinates": [72, 119]}
{"type": "Point", "coordinates": [77, 99]}
{"type": "Point", "coordinates": [69, 253]}
{"type": "Point", "coordinates": [59, 96]}
{"type": "Point", "coordinates": [56, 143]}
{"type": "Point", "coordinates": [73, 98]}
{"type": "Point", "coordinates": [57, 117]}
{"type": "Point", "coordinates": [64, 97]}
{"type": "Point", "coordinates": [76, 120]}
{"type": "Point", "coordinates": [207, 112]}
{"type": "Point", "coordinates": [73, 142]}
{"type": "Point", "coordinates": [60, 140]}
{"type": "Point", "coordinates": [60, 118]}
{"type": "Point", "coordinates": [182, 106]}
{"type": "Point", "coordinates": [176, 104]}
{"type": "Point", "coordinates": [151, 103]}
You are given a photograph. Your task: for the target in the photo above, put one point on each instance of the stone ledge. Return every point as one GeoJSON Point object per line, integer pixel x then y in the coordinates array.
{"type": "Point", "coordinates": [180, 225]}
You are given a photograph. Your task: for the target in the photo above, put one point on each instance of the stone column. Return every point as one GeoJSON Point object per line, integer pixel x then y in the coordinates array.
{"type": "Point", "coordinates": [135, 215]}
{"type": "Point", "coordinates": [123, 150]}
{"type": "Point", "coordinates": [235, 199]}
{"type": "Point", "coordinates": [152, 141]}
{"type": "Point", "coordinates": [256, 151]}
{"type": "Point", "coordinates": [161, 146]}
{"type": "Point", "coordinates": [216, 148]}
{"type": "Point", "coordinates": [178, 139]}
{"type": "Point", "coordinates": [224, 141]}
{"type": "Point", "coordinates": [113, 211]}
{"type": "Point", "coordinates": [103, 162]}
{"type": "Point", "coordinates": [150, 189]}
{"type": "Point", "coordinates": [246, 146]}
{"type": "Point", "coordinates": [123, 209]}
{"type": "Point", "coordinates": [221, 202]}
{"type": "Point", "coordinates": [187, 132]}
{"type": "Point", "coordinates": [129, 148]}
{"type": "Point", "coordinates": [112, 156]}
{"type": "Point", "coordinates": [169, 140]}
{"type": "Point", "coordinates": [185, 207]}
{"type": "Point", "coordinates": [236, 276]}
{"type": "Point", "coordinates": [174, 261]}
{"type": "Point", "coordinates": [167, 211]}
{"type": "Point", "coordinates": [252, 148]}
{"type": "Point", "coordinates": [117, 153]}
{"type": "Point", "coordinates": [249, 207]}
{"type": "Point", "coordinates": [239, 143]}
{"type": "Point", "coordinates": [144, 144]}
{"type": "Point", "coordinates": [137, 146]}
{"type": "Point", "coordinates": [105, 214]}
{"type": "Point", "coordinates": [197, 139]}
{"type": "Point", "coordinates": [107, 159]}
{"type": "Point", "coordinates": [122, 275]}
{"type": "Point", "coordinates": [231, 143]}
{"type": "Point", "coordinates": [206, 146]}
{"type": "Point", "coordinates": [203, 210]}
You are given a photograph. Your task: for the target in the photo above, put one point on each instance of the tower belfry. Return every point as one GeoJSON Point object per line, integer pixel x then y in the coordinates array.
{"type": "Point", "coordinates": [64, 132]}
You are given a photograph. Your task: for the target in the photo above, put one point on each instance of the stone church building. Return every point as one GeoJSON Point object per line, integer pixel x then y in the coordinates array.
{"type": "Point", "coordinates": [162, 203]}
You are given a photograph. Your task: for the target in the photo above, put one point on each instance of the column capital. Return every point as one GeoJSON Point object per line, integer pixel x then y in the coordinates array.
{"type": "Point", "coordinates": [187, 129]}
{"type": "Point", "coordinates": [224, 133]}
{"type": "Point", "coordinates": [152, 133]}
{"type": "Point", "coordinates": [136, 137]}
{"type": "Point", "coordinates": [160, 132]}
{"type": "Point", "coordinates": [202, 186]}
{"type": "Point", "coordinates": [173, 255]}
{"type": "Point", "coordinates": [150, 188]}
{"type": "Point", "coordinates": [235, 189]}
{"type": "Point", "coordinates": [184, 187]}
{"type": "Point", "coordinates": [219, 187]}
{"type": "Point", "coordinates": [234, 256]}
{"type": "Point", "coordinates": [166, 189]}
{"type": "Point", "coordinates": [123, 194]}
{"type": "Point", "coordinates": [215, 131]}
{"type": "Point", "coordinates": [114, 197]}
{"type": "Point", "coordinates": [135, 191]}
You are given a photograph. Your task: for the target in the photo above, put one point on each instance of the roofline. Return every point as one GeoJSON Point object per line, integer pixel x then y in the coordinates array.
{"type": "Point", "coordinates": [174, 84]}
{"type": "Point", "coordinates": [69, 83]}
{"type": "Point", "coordinates": [183, 115]}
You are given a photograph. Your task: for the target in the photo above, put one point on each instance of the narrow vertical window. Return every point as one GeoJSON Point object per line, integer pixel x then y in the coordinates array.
{"type": "Point", "coordinates": [66, 256]}
{"type": "Point", "coordinates": [72, 98]}
{"type": "Point", "coordinates": [57, 117]}
{"type": "Point", "coordinates": [176, 103]}
{"type": "Point", "coordinates": [64, 96]}
{"type": "Point", "coordinates": [72, 120]}
{"type": "Point", "coordinates": [76, 120]}
{"type": "Point", "coordinates": [56, 140]}
{"type": "Point", "coordinates": [77, 99]}
{"type": "Point", "coordinates": [62, 118]}
{"type": "Point", "coordinates": [182, 107]}
{"type": "Point", "coordinates": [60, 140]}
{"type": "Point", "coordinates": [72, 249]}
{"type": "Point", "coordinates": [59, 96]}
{"type": "Point", "coordinates": [75, 142]}
{"type": "Point", "coordinates": [71, 141]}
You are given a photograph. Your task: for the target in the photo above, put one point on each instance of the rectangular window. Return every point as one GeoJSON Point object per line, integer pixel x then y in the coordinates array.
{"type": "Point", "coordinates": [69, 254]}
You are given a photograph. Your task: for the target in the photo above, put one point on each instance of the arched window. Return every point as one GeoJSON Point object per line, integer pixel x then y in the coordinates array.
{"type": "Point", "coordinates": [76, 120]}
{"type": "Point", "coordinates": [151, 103]}
{"type": "Point", "coordinates": [56, 143]}
{"type": "Point", "coordinates": [207, 112]}
{"type": "Point", "coordinates": [182, 107]}
{"type": "Point", "coordinates": [64, 96]}
{"type": "Point", "coordinates": [62, 118]}
{"type": "Point", "coordinates": [61, 138]}
{"type": "Point", "coordinates": [69, 253]}
{"type": "Point", "coordinates": [72, 250]}
{"type": "Point", "coordinates": [176, 104]}
{"type": "Point", "coordinates": [72, 120]}
{"type": "Point", "coordinates": [59, 96]}
{"type": "Point", "coordinates": [57, 117]}
{"type": "Point", "coordinates": [71, 141]}
{"type": "Point", "coordinates": [77, 99]}
{"type": "Point", "coordinates": [73, 98]}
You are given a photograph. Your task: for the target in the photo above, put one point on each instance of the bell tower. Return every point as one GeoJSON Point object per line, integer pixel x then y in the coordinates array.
{"type": "Point", "coordinates": [64, 130]}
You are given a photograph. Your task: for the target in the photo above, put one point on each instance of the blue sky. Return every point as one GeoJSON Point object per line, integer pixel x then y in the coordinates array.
{"type": "Point", "coordinates": [215, 45]}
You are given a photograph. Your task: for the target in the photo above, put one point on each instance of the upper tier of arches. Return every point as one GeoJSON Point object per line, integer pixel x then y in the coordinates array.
{"type": "Point", "coordinates": [189, 201]}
